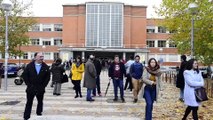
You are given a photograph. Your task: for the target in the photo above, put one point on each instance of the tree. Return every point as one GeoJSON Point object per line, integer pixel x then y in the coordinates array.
{"type": "Point", "coordinates": [18, 27]}
{"type": "Point", "coordinates": [178, 19]}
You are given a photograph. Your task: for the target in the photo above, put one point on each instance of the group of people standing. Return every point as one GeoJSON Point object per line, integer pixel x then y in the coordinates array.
{"type": "Point", "coordinates": [145, 78]}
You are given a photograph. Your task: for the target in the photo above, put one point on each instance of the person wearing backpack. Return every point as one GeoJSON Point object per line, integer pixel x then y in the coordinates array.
{"type": "Point", "coordinates": [136, 71]}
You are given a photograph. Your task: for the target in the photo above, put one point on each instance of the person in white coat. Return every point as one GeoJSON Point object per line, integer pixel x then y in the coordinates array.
{"type": "Point", "coordinates": [193, 80]}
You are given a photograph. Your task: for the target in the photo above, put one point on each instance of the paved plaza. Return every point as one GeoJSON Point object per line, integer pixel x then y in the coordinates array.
{"type": "Point", "coordinates": [66, 107]}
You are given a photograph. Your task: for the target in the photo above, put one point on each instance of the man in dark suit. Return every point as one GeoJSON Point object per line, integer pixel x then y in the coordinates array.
{"type": "Point", "coordinates": [36, 76]}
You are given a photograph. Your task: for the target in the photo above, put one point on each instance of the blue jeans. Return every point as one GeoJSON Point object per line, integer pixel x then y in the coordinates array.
{"type": "Point", "coordinates": [118, 83]}
{"type": "Point", "coordinates": [89, 91]}
{"type": "Point", "coordinates": [150, 97]}
{"type": "Point", "coordinates": [97, 85]}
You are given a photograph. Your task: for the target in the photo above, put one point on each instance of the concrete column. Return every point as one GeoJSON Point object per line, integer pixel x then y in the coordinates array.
{"type": "Point", "coordinates": [83, 55]}
{"type": "Point", "coordinates": [124, 56]}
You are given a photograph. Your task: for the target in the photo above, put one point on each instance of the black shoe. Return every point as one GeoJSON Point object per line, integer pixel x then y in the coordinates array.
{"type": "Point", "coordinates": [90, 100]}
{"type": "Point", "coordinates": [76, 96]}
{"type": "Point", "coordinates": [39, 114]}
{"type": "Point", "coordinates": [80, 96]}
{"type": "Point", "coordinates": [135, 100]}
{"type": "Point", "coordinates": [58, 94]}
{"type": "Point", "coordinates": [54, 94]}
{"type": "Point", "coordinates": [115, 99]}
{"type": "Point", "coordinates": [123, 100]}
{"type": "Point", "coordinates": [181, 99]}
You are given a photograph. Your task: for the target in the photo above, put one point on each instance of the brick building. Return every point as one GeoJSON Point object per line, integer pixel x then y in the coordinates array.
{"type": "Point", "coordinates": [101, 28]}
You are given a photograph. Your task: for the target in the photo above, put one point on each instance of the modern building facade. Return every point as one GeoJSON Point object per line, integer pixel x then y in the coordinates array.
{"type": "Point", "coordinates": [103, 29]}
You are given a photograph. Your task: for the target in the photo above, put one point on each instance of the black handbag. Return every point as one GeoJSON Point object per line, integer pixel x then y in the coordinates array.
{"type": "Point", "coordinates": [200, 94]}
{"type": "Point", "coordinates": [64, 79]}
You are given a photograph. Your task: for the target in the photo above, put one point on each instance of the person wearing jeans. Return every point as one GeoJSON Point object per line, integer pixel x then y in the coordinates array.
{"type": "Point", "coordinates": [116, 73]}
{"type": "Point", "coordinates": [136, 71]}
{"type": "Point", "coordinates": [151, 77]}
{"type": "Point", "coordinates": [89, 77]}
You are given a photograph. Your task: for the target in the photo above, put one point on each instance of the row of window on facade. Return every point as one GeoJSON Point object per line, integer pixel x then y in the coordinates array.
{"type": "Point", "coordinates": [157, 29]}
{"type": "Point", "coordinates": [160, 43]}
{"type": "Point", "coordinates": [48, 42]}
{"type": "Point", "coordinates": [47, 55]}
{"type": "Point", "coordinates": [52, 56]}
{"type": "Point", "coordinates": [46, 27]}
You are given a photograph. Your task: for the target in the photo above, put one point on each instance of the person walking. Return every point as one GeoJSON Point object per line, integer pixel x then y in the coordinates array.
{"type": "Point", "coordinates": [180, 78]}
{"type": "Point", "coordinates": [193, 80]}
{"type": "Point", "coordinates": [128, 79]}
{"type": "Point", "coordinates": [98, 68]}
{"type": "Point", "coordinates": [77, 71]}
{"type": "Point", "coordinates": [1, 73]}
{"type": "Point", "coordinates": [136, 71]}
{"type": "Point", "coordinates": [36, 76]}
{"type": "Point", "coordinates": [151, 77]}
{"type": "Point", "coordinates": [90, 77]}
{"type": "Point", "coordinates": [116, 73]}
{"type": "Point", "coordinates": [57, 71]}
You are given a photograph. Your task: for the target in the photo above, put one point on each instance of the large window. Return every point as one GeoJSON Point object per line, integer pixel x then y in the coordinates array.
{"type": "Point", "coordinates": [173, 58]}
{"type": "Point", "coordinates": [46, 41]}
{"type": "Point", "coordinates": [47, 56]}
{"type": "Point", "coordinates": [57, 27]}
{"type": "Point", "coordinates": [35, 28]}
{"type": "Point", "coordinates": [161, 43]}
{"type": "Point", "coordinates": [56, 55]}
{"type": "Point", "coordinates": [172, 44]}
{"type": "Point", "coordinates": [47, 27]}
{"type": "Point", "coordinates": [25, 56]}
{"type": "Point", "coordinates": [161, 29]}
{"type": "Point", "coordinates": [104, 25]}
{"type": "Point", "coordinates": [58, 41]}
{"type": "Point", "coordinates": [150, 43]}
{"type": "Point", "coordinates": [35, 41]}
{"type": "Point", "coordinates": [150, 29]}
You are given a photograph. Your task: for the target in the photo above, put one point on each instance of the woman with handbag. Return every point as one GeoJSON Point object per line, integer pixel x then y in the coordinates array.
{"type": "Point", "coordinates": [77, 71]}
{"type": "Point", "coordinates": [57, 71]}
{"type": "Point", "coordinates": [152, 78]}
{"type": "Point", "coordinates": [193, 80]}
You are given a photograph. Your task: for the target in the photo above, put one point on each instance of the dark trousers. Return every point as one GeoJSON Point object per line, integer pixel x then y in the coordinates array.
{"type": "Point", "coordinates": [194, 112]}
{"type": "Point", "coordinates": [118, 83]}
{"type": "Point", "coordinates": [150, 97]}
{"type": "Point", "coordinates": [28, 107]}
{"type": "Point", "coordinates": [128, 82]}
{"type": "Point", "coordinates": [98, 86]}
{"type": "Point", "coordinates": [77, 86]}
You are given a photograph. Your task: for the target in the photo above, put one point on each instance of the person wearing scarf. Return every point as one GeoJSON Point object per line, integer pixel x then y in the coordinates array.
{"type": "Point", "coordinates": [77, 71]}
{"type": "Point", "coordinates": [151, 77]}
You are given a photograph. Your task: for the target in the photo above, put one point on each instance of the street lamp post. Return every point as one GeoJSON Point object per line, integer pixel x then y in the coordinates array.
{"type": "Point", "coordinates": [6, 6]}
{"type": "Point", "coordinates": [193, 10]}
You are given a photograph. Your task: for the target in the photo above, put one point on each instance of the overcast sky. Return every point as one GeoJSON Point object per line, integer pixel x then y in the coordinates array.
{"type": "Point", "coordinates": [53, 8]}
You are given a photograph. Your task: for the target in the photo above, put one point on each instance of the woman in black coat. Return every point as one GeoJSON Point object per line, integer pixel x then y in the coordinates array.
{"type": "Point", "coordinates": [180, 79]}
{"type": "Point", "coordinates": [57, 70]}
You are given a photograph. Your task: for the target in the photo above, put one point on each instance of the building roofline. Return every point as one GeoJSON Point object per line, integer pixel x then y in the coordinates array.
{"type": "Point", "coordinates": [82, 4]}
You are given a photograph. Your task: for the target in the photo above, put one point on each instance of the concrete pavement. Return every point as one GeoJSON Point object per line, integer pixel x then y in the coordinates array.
{"type": "Point", "coordinates": [66, 107]}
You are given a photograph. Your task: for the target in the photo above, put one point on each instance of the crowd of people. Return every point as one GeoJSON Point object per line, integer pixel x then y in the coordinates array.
{"type": "Point", "coordinates": [139, 78]}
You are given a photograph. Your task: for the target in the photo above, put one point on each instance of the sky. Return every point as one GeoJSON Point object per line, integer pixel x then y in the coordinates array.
{"type": "Point", "coordinates": [53, 8]}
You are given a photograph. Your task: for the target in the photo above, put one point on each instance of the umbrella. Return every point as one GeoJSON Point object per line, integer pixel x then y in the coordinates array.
{"type": "Point", "coordinates": [107, 87]}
